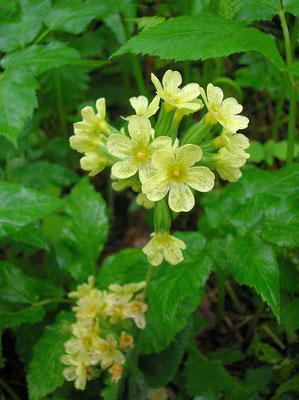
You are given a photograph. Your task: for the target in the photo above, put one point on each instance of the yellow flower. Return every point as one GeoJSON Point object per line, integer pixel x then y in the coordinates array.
{"type": "Point", "coordinates": [125, 340]}
{"type": "Point", "coordinates": [223, 111]}
{"type": "Point", "coordinates": [116, 371]}
{"type": "Point", "coordinates": [228, 165]}
{"type": "Point", "coordinates": [135, 152]}
{"type": "Point", "coordinates": [91, 305]}
{"type": "Point", "coordinates": [122, 184]}
{"type": "Point", "coordinates": [141, 107]}
{"type": "Point", "coordinates": [94, 161]}
{"type": "Point", "coordinates": [87, 132]}
{"type": "Point", "coordinates": [108, 353]}
{"type": "Point", "coordinates": [143, 201]}
{"type": "Point", "coordinates": [78, 371]}
{"type": "Point", "coordinates": [84, 338]}
{"type": "Point", "coordinates": [184, 98]}
{"type": "Point", "coordinates": [84, 289]}
{"type": "Point", "coordinates": [164, 246]}
{"type": "Point", "coordinates": [125, 292]}
{"type": "Point", "coordinates": [233, 142]}
{"type": "Point", "coordinates": [175, 174]}
{"type": "Point", "coordinates": [135, 310]}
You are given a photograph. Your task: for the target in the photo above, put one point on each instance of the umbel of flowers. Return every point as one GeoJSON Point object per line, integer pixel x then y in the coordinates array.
{"type": "Point", "coordinates": [162, 163]}
{"type": "Point", "coordinates": [102, 336]}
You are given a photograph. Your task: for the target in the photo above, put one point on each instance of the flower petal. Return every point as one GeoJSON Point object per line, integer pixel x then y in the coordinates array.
{"type": "Point", "coordinates": [156, 187]}
{"type": "Point", "coordinates": [230, 106]}
{"type": "Point", "coordinates": [146, 170]}
{"type": "Point", "coordinates": [171, 81]}
{"type": "Point", "coordinates": [200, 178]}
{"type": "Point", "coordinates": [215, 95]}
{"type": "Point", "coordinates": [139, 104]}
{"type": "Point", "coordinates": [157, 83]}
{"type": "Point", "coordinates": [162, 159]}
{"type": "Point", "coordinates": [101, 107]}
{"type": "Point", "coordinates": [189, 92]}
{"type": "Point", "coordinates": [88, 114]}
{"type": "Point", "coordinates": [180, 197]}
{"type": "Point", "coordinates": [119, 146]}
{"type": "Point", "coordinates": [124, 169]}
{"type": "Point", "coordinates": [161, 142]}
{"type": "Point", "coordinates": [140, 130]}
{"type": "Point", "coordinates": [189, 154]}
{"type": "Point", "coordinates": [172, 252]}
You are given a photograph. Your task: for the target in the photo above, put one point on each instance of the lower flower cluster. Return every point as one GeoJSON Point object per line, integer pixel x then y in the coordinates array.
{"type": "Point", "coordinates": [100, 338]}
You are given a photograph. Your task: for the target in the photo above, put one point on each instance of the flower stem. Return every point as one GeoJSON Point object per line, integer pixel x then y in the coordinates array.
{"type": "Point", "coordinates": [149, 277]}
{"type": "Point", "coordinates": [233, 296]}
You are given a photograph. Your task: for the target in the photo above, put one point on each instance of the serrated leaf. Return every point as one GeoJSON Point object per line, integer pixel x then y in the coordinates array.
{"type": "Point", "coordinates": [30, 234]}
{"type": "Point", "coordinates": [157, 334]}
{"type": "Point", "coordinates": [173, 283]}
{"type": "Point", "coordinates": [214, 37]}
{"type": "Point", "coordinates": [45, 368]}
{"type": "Point", "coordinates": [11, 316]}
{"type": "Point", "coordinates": [290, 385]}
{"type": "Point", "coordinates": [291, 6]}
{"type": "Point", "coordinates": [17, 101]}
{"type": "Point", "coordinates": [289, 314]}
{"type": "Point", "coordinates": [74, 17]}
{"type": "Point", "coordinates": [84, 232]}
{"type": "Point", "coordinates": [39, 58]}
{"type": "Point", "coordinates": [18, 31]}
{"type": "Point", "coordinates": [126, 266]}
{"type": "Point", "coordinates": [217, 250]}
{"type": "Point", "coordinates": [159, 369]}
{"type": "Point", "coordinates": [253, 263]}
{"type": "Point", "coordinates": [40, 174]}
{"type": "Point", "coordinates": [20, 206]}
{"type": "Point", "coordinates": [206, 378]}
{"type": "Point", "coordinates": [281, 223]}
{"type": "Point", "coordinates": [256, 10]}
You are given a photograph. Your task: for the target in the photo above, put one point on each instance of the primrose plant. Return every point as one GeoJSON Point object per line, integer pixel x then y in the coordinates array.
{"type": "Point", "coordinates": [165, 168]}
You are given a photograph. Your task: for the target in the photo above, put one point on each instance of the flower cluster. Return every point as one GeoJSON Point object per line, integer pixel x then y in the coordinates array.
{"type": "Point", "coordinates": [100, 335]}
{"type": "Point", "coordinates": [163, 163]}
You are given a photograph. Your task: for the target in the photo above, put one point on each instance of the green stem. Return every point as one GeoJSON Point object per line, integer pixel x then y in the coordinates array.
{"type": "Point", "coordinates": [273, 336]}
{"type": "Point", "coordinates": [220, 303]}
{"type": "Point", "coordinates": [9, 390]}
{"type": "Point", "coordinates": [59, 102]}
{"type": "Point", "coordinates": [256, 318]}
{"type": "Point", "coordinates": [149, 277]}
{"type": "Point", "coordinates": [292, 88]}
{"type": "Point", "coordinates": [276, 122]}
{"type": "Point", "coordinates": [233, 296]}
{"type": "Point", "coordinates": [43, 303]}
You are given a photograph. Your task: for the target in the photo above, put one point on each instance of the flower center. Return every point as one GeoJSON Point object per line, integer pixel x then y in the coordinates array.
{"type": "Point", "coordinates": [176, 173]}
{"type": "Point", "coordinates": [140, 154]}
{"type": "Point", "coordinates": [87, 342]}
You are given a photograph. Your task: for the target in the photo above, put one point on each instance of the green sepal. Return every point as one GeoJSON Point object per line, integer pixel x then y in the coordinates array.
{"type": "Point", "coordinates": [197, 133]}
{"type": "Point", "coordinates": [162, 218]}
{"type": "Point", "coordinates": [164, 121]}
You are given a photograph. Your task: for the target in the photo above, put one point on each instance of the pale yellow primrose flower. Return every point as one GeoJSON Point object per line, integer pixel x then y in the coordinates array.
{"type": "Point", "coordinates": [135, 152]}
{"type": "Point", "coordinates": [175, 174]}
{"type": "Point", "coordinates": [78, 371]}
{"type": "Point", "coordinates": [223, 111]}
{"type": "Point", "coordinates": [143, 201]}
{"type": "Point", "coordinates": [142, 108]}
{"type": "Point", "coordinates": [122, 184]}
{"type": "Point", "coordinates": [126, 291]}
{"type": "Point", "coordinates": [91, 305]}
{"type": "Point", "coordinates": [116, 371]}
{"type": "Point", "coordinates": [233, 142]}
{"type": "Point", "coordinates": [164, 246]}
{"type": "Point", "coordinates": [84, 289]}
{"type": "Point", "coordinates": [228, 165]}
{"type": "Point", "coordinates": [87, 132]}
{"type": "Point", "coordinates": [94, 161]}
{"type": "Point", "coordinates": [135, 310]}
{"type": "Point", "coordinates": [170, 92]}
{"type": "Point", "coordinates": [108, 353]}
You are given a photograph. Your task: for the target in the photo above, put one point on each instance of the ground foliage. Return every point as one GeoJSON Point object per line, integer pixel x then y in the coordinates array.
{"type": "Point", "coordinates": [222, 323]}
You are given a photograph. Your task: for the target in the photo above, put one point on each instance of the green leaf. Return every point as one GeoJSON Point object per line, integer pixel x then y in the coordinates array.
{"type": "Point", "coordinates": [84, 232]}
{"type": "Point", "coordinates": [18, 31]}
{"type": "Point", "coordinates": [173, 283]}
{"type": "Point", "coordinates": [40, 174]}
{"type": "Point", "coordinates": [281, 223]}
{"type": "Point", "coordinates": [256, 151]}
{"type": "Point", "coordinates": [73, 17]}
{"type": "Point", "coordinates": [21, 206]}
{"type": "Point", "coordinates": [17, 101]}
{"type": "Point", "coordinates": [12, 316]}
{"type": "Point", "coordinates": [289, 315]}
{"type": "Point", "coordinates": [227, 355]}
{"type": "Point", "coordinates": [290, 385]}
{"type": "Point", "coordinates": [256, 10]}
{"type": "Point", "coordinates": [291, 6]}
{"type": "Point", "coordinates": [294, 67]}
{"type": "Point", "coordinates": [280, 183]}
{"type": "Point", "coordinates": [214, 37]}
{"type": "Point", "coordinates": [45, 369]}
{"type": "Point", "coordinates": [217, 250]}
{"type": "Point", "coordinates": [206, 379]}
{"type": "Point", "coordinates": [160, 368]}
{"type": "Point", "coordinates": [39, 58]}
{"type": "Point", "coordinates": [31, 234]}
{"type": "Point", "coordinates": [126, 266]}
{"type": "Point", "coordinates": [158, 335]}
{"type": "Point", "coordinates": [253, 263]}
